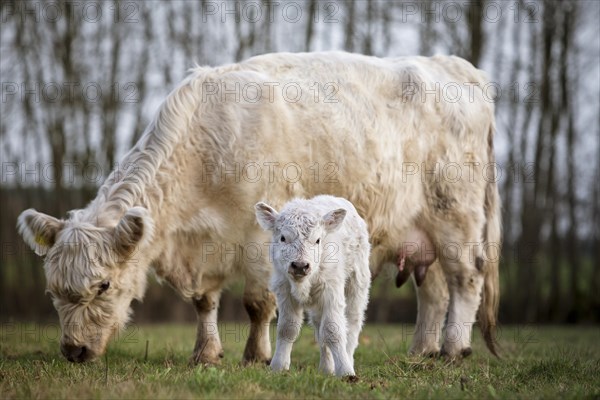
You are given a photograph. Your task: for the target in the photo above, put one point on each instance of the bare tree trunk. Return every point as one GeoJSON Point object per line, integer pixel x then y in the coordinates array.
{"type": "Point", "coordinates": [312, 9]}
{"type": "Point", "coordinates": [532, 215]}
{"type": "Point", "coordinates": [386, 24]}
{"type": "Point", "coordinates": [573, 251]}
{"type": "Point", "coordinates": [368, 39]}
{"type": "Point", "coordinates": [554, 299]}
{"type": "Point", "coordinates": [245, 42]}
{"type": "Point", "coordinates": [595, 309]}
{"type": "Point", "coordinates": [350, 24]}
{"type": "Point", "coordinates": [476, 32]}
{"type": "Point", "coordinates": [109, 106]}
{"type": "Point", "coordinates": [427, 32]}
{"type": "Point", "coordinates": [140, 81]}
{"type": "Point", "coordinates": [58, 125]}
{"type": "Point", "coordinates": [552, 205]}
{"type": "Point", "coordinates": [563, 111]}
{"type": "Point", "coordinates": [511, 130]}
{"type": "Point", "coordinates": [267, 33]}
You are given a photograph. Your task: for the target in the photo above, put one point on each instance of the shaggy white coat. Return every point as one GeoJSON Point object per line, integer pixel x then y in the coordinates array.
{"type": "Point", "coordinates": [164, 209]}
{"type": "Point", "coordinates": [328, 235]}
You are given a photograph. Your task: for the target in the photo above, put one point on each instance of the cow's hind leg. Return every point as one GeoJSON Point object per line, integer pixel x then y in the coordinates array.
{"type": "Point", "coordinates": [208, 348]}
{"type": "Point", "coordinates": [432, 300]}
{"type": "Point", "coordinates": [260, 305]}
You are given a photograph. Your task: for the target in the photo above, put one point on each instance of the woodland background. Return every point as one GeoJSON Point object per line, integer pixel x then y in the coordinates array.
{"type": "Point", "coordinates": [81, 80]}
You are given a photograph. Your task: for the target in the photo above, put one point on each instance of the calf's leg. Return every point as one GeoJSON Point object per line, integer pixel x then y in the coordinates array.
{"type": "Point", "coordinates": [333, 333]}
{"type": "Point", "coordinates": [326, 364]}
{"type": "Point", "coordinates": [357, 299]}
{"type": "Point", "coordinates": [289, 324]}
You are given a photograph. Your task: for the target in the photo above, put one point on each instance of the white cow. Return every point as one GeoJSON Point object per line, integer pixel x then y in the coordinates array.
{"type": "Point", "coordinates": [409, 141]}
{"type": "Point", "coordinates": [320, 251]}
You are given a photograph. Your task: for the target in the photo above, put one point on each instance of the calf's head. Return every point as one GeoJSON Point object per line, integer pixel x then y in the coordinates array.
{"type": "Point", "coordinates": [92, 272]}
{"type": "Point", "coordinates": [299, 244]}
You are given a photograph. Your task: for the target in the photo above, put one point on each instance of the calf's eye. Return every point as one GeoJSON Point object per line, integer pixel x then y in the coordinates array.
{"type": "Point", "coordinates": [282, 238]}
{"type": "Point", "coordinates": [104, 287]}
{"type": "Point", "coordinates": [318, 241]}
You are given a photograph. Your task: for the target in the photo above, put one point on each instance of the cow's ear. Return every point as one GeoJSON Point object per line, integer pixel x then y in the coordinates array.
{"type": "Point", "coordinates": [134, 230]}
{"type": "Point", "coordinates": [38, 230]}
{"type": "Point", "coordinates": [265, 215]}
{"type": "Point", "coordinates": [333, 219]}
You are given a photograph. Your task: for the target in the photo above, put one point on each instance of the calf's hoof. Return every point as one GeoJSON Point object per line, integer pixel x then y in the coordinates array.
{"type": "Point", "coordinates": [279, 367]}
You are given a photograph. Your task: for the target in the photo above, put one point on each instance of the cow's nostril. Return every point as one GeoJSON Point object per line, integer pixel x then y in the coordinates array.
{"type": "Point", "coordinates": [74, 353]}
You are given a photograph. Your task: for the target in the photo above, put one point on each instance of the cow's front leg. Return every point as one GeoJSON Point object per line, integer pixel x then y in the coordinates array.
{"type": "Point", "coordinates": [289, 324]}
{"type": "Point", "coordinates": [208, 348]}
{"type": "Point", "coordinates": [260, 306]}
{"type": "Point", "coordinates": [432, 301]}
{"type": "Point", "coordinates": [465, 282]}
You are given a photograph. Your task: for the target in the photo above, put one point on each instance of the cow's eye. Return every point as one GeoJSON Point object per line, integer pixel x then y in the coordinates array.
{"type": "Point", "coordinates": [318, 241]}
{"type": "Point", "coordinates": [103, 287]}
{"type": "Point", "coordinates": [282, 238]}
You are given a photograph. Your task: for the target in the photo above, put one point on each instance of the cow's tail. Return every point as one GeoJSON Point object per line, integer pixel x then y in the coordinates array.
{"type": "Point", "coordinates": [492, 238]}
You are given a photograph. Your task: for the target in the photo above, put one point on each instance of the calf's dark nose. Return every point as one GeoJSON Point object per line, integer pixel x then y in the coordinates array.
{"type": "Point", "coordinates": [300, 267]}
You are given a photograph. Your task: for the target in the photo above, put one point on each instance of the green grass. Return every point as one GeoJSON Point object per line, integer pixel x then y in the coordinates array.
{"type": "Point", "coordinates": [549, 362]}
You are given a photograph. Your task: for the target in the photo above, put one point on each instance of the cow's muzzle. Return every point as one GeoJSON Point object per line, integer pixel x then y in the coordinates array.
{"type": "Point", "coordinates": [75, 353]}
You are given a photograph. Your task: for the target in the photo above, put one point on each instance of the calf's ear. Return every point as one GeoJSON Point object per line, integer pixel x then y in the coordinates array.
{"type": "Point", "coordinates": [265, 215]}
{"type": "Point", "coordinates": [38, 230]}
{"type": "Point", "coordinates": [333, 219]}
{"type": "Point", "coordinates": [134, 230]}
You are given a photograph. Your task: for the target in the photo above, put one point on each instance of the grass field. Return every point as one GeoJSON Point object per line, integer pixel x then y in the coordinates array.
{"type": "Point", "coordinates": [544, 362]}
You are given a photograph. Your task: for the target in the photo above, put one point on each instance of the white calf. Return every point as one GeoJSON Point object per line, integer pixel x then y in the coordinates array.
{"type": "Point", "coordinates": [320, 251]}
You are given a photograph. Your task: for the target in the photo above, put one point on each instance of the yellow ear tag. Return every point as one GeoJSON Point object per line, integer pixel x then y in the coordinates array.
{"type": "Point", "coordinates": [39, 239]}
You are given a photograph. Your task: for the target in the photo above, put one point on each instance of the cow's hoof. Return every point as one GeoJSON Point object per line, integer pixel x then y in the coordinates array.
{"type": "Point", "coordinates": [194, 362]}
{"type": "Point", "coordinates": [432, 352]}
{"type": "Point", "coordinates": [464, 353]}
{"type": "Point", "coordinates": [256, 357]}
{"type": "Point", "coordinates": [256, 360]}
{"type": "Point", "coordinates": [351, 379]}
{"type": "Point", "coordinates": [204, 359]}
{"type": "Point", "coordinates": [444, 353]}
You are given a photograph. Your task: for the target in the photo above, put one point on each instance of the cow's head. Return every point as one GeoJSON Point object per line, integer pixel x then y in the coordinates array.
{"type": "Point", "coordinates": [93, 273]}
{"type": "Point", "coordinates": [298, 244]}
